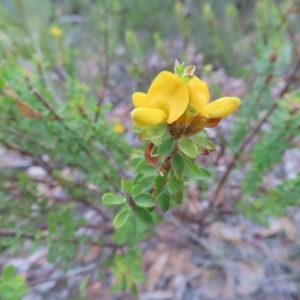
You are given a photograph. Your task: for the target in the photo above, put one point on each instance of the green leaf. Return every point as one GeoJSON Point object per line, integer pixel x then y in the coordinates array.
{"type": "Point", "coordinates": [121, 236]}
{"type": "Point", "coordinates": [111, 199]}
{"type": "Point", "coordinates": [177, 198]}
{"type": "Point", "coordinates": [152, 132]}
{"type": "Point", "coordinates": [52, 224]}
{"type": "Point", "coordinates": [8, 273]}
{"type": "Point", "coordinates": [135, 129]}
{"type": "Point", "coordinates": [134, 161]}
{"type": "Point", "coordinates": [164, 201]}
{"type": "Point", "coordinates": [143, 215]}
{"type": "Point", "coordinates": [123, 283]}
{"type": "Point", "coordinates": [126, 185]}
{"type": "Point", "coordinates": [146, 183]}
{"type": "Point", "coordinates": [2, 83]}
{"type": "Point", "coordinates": [144, 167]}
{"type": "Point", "coordinates": [178, 165]}
{"type": "Point", "coordinates": [114, 288]}
{"type": "Point", "coordinates": [166, 147]}
{"type": "Point", "coordinates": [134, 291]}
{"type": "Point", "coordinates": [160, 184]}
{"type": "Point", "coordinates": [175, 185]}
{"type": "Point", "coordinates": [192, 171]}
{"type": "Point", "coordinates": [83, 284]}
{"type": "Point", "coordinates": [205, 174]}
{"type": "Point", "coordinates": [137, 178]}
{"type": "Point", "coordinates": [121, 218]}
{"type": "Point", "coordinates": [154, 151]}
{"type": "Point", "coordinates": [136, 189]}
{"type": "Point", "coordinates": [158, 141]}
{"type": "Point", "coordinates": [204, 143]}
{"type": "Point", "coordinates": [144, 200]}
{"type": "Point", "coordinates": [188, 147]}
{"type": "Point", "coordinates": [202, 133]}
{"type": "Point", "coordinates": [18, 282]}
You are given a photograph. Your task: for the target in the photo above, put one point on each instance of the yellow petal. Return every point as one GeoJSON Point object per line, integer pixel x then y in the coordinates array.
{"type": "Point", "coordinates": [222, 107]}
{"type": "Point", "coordinates": [139, 99]}
{"type": "Point", "coordinates": [144, 116]}
{"type": "Point", "coordinates": [199, 94]}
{"type": "Point", "coordinates": [168, 93]}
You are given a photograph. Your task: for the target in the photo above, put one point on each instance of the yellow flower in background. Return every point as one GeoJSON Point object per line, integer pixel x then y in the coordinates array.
{"type": "Point", "coordinates": [118, 128]}
{"type": "Point", "coordinates": [208, 68]}
{"type": "Point", "coordinates": [179, 7]}
{"type": "Point", "coordinates": [168, 98]}
{"type": "Point", "coordinates": [55, 31]}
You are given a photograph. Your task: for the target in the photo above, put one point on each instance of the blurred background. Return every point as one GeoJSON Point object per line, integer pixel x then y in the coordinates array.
{"type": "Point", "coordinates": [68, 69]}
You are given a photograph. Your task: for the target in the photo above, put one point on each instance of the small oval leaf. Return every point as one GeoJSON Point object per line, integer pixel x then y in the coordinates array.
{"type": "Point", "coordinates": [144, 167]}
{"type": "Point", "coordinates": [126, 185]}
{"type": "Point", "coordinates": [177, 163]}
{"type": "Point", "coordinates": [175, 185]}
{"type": "Point", "coordinates": [121, 218]}
{"type": "Point", "coordinates": [146, 183]}
{"type": "Point", "coordinates": [188, 147]}
{"type": "Point", "coordinates": [2, 83]}
{"type": "Point", "coordinates": [160, 184]}
{"type": "Point", "coordinates": [164, 201]}
{"type": "Point", "coordinates": [166, 147]}
{"type": "Point", "coordinates": [111, 199]}
{"type": "Point", "coordinates": [135, 160]}
{"type": "Point", "coordinates": [144, 200]}
{"type": "Point", "coordinates": [8, 272]}
{"type": "Point", "coordinates": [192, 171]}
{"type": "Point", "coordinates": [136, 190]}
{"type": "Point", "coordinates": [143, 215]}
{"type": "Point", "coordinates": [152, 132]}
{"type": "Point", "coordinates": [204, 143]}
{"type": "Point", "coordinates": [177, 198]}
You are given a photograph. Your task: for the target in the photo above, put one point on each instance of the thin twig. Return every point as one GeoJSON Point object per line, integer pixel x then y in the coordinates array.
{"type": "Point", "coordinates": [38, 95]}
{"type": "Point", "coordinates": [41, 72]}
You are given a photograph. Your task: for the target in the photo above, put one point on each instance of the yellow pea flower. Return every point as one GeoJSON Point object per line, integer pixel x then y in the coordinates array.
{"type": "Point", "coordinates": [118, 128]}
{"type": "Point", "coordinates": [55, 31]}
{"type": "Point", "coordinates": [199, 99]}
{"type": "Point", "coordinates": [168, 98]}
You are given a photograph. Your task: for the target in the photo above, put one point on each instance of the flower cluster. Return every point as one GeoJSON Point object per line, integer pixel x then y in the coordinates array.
{"type": "Point", "coordinates": [182, 102]}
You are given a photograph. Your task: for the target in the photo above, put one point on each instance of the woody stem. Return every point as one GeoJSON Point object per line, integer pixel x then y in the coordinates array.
{"type": "Point", "coordinates": [166, 164]}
